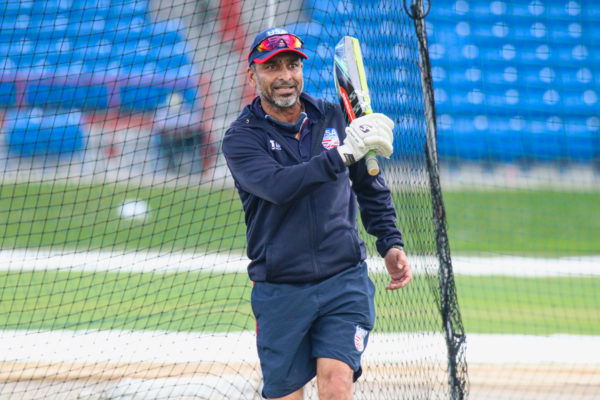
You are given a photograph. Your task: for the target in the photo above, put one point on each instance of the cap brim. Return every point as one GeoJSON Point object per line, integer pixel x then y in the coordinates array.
{"type": "Point", "coordinates": [267, 56]}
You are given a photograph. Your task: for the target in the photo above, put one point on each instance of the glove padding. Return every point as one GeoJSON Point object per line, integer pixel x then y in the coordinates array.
{"type": "Point", "coordinates": [369, 132]}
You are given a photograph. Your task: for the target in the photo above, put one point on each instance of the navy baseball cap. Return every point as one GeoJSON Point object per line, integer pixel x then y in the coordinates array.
{"type": "Point", "coordinates": [271, 42]}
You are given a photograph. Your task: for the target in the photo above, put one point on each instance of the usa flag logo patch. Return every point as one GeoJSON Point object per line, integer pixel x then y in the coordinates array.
{"type": "Point", "coordinates": [330, 139]}
{"type": "Point", "coordinates": [359, 338]}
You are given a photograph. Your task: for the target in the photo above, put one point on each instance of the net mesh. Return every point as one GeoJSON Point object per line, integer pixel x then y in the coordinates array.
{"type": "Point", "coordinates": [516, 86]}
{"type": "Point", "coordinates": [122, 237]}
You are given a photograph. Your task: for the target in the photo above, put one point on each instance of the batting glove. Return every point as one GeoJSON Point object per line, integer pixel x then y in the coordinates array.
{"type": "Point", "coordinates": [369, 132]}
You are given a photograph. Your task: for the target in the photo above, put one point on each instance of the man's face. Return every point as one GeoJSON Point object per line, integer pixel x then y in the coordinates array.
{"type": "Point", "coordinates": [278, 81]}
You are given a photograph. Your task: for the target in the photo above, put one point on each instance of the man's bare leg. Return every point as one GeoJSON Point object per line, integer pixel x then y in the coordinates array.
{"type": "Point", "coordinates": [334, 379]}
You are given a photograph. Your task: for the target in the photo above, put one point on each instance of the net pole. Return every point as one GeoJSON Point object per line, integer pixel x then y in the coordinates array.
{"type": "Point", "coordinates": [451, 319]}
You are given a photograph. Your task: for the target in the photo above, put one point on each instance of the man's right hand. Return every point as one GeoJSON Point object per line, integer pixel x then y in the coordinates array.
{"type": "Point", "coordinates": [369, 132]}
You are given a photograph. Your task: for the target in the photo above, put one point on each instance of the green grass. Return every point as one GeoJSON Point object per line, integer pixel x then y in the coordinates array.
{"type": "Point", "coordinates": [109, 300]}
{"type": "Point", "coordinates": [85, 217]}
{"type": "Point", "coordinates": [506, 304]}
{"type": "Point", "coordinates": [204, 302]}
{"type": "Point", "coordinates": [527, 222]}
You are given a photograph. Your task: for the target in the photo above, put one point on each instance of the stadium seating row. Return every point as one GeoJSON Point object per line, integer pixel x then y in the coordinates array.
{"type": "Point", "coordinates": [91, 27]}
{"type": "Point", "coordinates": [563, 10]}
{"type": "Point", "coordinates": [89, 45]}
{"type": "Point", "coordinates": [556, 10]}
{"type": "Point", "coordinates": [534, 77]}
{"type": "Point", "coordinates": [57, 56]}
{"type": "Point", "coordinates": [96, 7]}
{"type": "Point", "coordinates": [36, 131]}
{"type": "Point", "coordinates": [496, 64]}
{"type": "Point", "coordinates": [522, 84]}
{"type": "Point", "coordinates": [24, 56]}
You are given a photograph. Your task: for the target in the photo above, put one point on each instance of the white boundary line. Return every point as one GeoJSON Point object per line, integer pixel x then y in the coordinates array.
{"type": "Point", "coordinates": [239, 347]}
{"type": "Point", "coordinates": [156, 262]}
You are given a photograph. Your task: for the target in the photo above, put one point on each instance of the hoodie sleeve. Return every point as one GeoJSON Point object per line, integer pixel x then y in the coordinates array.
{"type": "Point", "coordinates": [374, 198]}
{"type": "Point", "coordinates": [258, 173]}
{"type": "Point", "coordinates": [376, 207]}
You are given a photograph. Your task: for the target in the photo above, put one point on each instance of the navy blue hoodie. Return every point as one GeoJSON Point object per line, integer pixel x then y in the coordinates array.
{"type": "Point", "coordinates": [300, 215]}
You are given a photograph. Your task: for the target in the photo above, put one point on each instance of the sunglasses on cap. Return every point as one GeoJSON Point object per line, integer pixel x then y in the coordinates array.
{"type": "Point", "coordinates": [279, 42]}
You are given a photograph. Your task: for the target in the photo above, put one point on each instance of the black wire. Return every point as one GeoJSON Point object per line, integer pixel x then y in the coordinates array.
{"type": "Point", "coordinates": [416, 13]}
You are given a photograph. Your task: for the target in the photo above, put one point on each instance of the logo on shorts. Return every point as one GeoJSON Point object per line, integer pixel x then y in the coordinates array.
{"type": "Point", "coordinates": [330, 139]}
{"type": "Point", "coordinates": [359, 338]}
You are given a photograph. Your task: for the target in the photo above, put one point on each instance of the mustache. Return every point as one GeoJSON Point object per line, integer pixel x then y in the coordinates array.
{"type": "Point", "coordinates": [280, 84]}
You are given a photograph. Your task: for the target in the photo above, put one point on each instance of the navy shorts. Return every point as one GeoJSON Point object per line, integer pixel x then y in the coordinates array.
{"type": "Point", "coordinates": [298, 323]}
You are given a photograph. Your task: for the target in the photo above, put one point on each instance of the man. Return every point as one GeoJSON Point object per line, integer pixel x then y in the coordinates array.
{"type": "Point", "coordinates": [312, 299]}
{"type": "Point", "coordinates": [178, 129]}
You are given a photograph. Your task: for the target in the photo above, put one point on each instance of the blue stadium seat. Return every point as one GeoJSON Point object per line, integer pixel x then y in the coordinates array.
{"type": "Point", "coordinates": [65, 135]}
{"type": "Point", "coordinates": [14, 26]}
{"type": "Point", "coordinates": [166, 32]}
{"type": "Point", "coordinates": [67, 95]}
{"type": "Point", "coordinates": [172, 56]}
{"type": "Point", "coordinates": [22, 52]}
{"type": "Point", "coordinates": [7, 66]}
{"type": "Point", "coordinates": [135, 52]}
{"type": "Point", "coordinates": [127, 28]}
{"type": "Point", "coordinates": [93, 50]}
{"type": "Point", "coordinates": [34, 132]}
{"type": "Point", "coordinates": [143, 98]}
{"type": "Point", "coordinates": [8, 94]}
{"type": "Point", "coordinates": [328, 11]}
{"type": "Point", "coordinates": [93, 7]}
{"type": "Point", "coordinates": [12, 7]}
{"type": "Point", "coordinates": [87, 26]}
{"type": "Point", "coordinates": [306, 30]}
{"type": "Point", "coordinates": [128, 7]}
{"type": "Point", "coordinates": [582, 143]}
{"type": "Point", "coordinates": [44, 24]}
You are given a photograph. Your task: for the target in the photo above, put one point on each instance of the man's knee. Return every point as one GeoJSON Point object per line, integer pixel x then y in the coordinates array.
{"type": "Point", "coordinates": [334, 379]}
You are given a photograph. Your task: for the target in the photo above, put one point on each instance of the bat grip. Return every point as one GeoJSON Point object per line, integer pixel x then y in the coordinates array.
{"type": "Point", "coordinates": [372, 165]}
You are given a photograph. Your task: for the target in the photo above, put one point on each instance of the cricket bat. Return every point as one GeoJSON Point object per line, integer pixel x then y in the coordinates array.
{"type": "Point", "coordinates": [351, 86]}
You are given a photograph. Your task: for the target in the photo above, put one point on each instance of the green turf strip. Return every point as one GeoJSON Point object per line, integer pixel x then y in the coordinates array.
{"type": "Point", "coordinates": [85, 217]}
{"type": "Point", "coordinates": [42, 300]}
{"type": "Point", "coordinates": [528, 222]}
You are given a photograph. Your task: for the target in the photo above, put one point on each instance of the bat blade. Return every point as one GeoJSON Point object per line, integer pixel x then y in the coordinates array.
{"type": "Point", "coordinates": [351, 86]}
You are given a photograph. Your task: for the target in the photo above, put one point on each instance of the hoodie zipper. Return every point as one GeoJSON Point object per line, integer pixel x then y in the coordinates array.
{"type": "Point", "coordinates": [317, 132]}
{"type": "Point", "coordinates": [317, 139]}
{"type": "Point", "coordinates": [271, 131]}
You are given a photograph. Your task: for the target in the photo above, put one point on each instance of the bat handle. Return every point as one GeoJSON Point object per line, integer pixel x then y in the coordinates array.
{"type": "Point", "coordinates": [372, 165]}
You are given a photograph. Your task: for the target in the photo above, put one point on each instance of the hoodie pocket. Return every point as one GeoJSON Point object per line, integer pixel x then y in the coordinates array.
{"type": "Point", "coordinates": [288, 263]}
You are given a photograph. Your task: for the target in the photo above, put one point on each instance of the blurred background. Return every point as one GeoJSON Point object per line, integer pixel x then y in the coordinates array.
{"type": "Point", "coordinates": [122, 242]}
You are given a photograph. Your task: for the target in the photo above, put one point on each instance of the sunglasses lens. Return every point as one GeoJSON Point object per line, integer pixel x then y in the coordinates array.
{"type": "Point", "coordinates": [279, 42]}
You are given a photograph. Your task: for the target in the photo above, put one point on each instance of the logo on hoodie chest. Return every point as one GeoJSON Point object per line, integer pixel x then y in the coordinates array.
{"type": "Point", "coordinates": [274, 145]}
{"type": "Point", "coordinates": [330, 139]}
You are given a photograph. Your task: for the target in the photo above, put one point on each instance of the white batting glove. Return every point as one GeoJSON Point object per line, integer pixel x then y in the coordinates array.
{"type": "Point", "coordinates": [369, 132]}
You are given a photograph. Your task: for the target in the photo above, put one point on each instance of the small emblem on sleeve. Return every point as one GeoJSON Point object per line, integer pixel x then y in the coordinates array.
{"type": "Point", "coordinates": [359, 338]}
{"type": "Point", "coordinates": [274, 145]}
{"type": "Point", "coordinates": [330, 139]}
